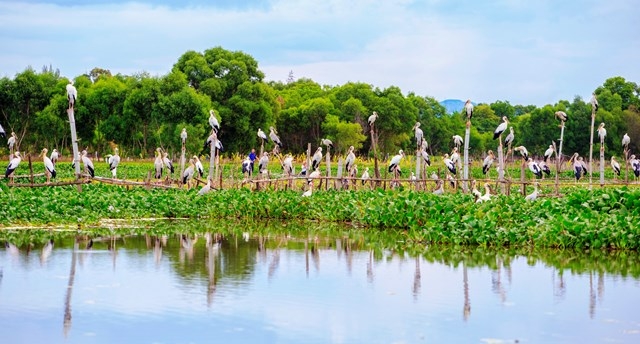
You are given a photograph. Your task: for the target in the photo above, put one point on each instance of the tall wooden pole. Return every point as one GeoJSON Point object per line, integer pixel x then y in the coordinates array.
{"type": "Point", "coordinates": [328, 162]}
{"type": "Point", "coordinates": [465, 166]}
{"type": "Point", "coordinates": [501, 163]}
{"type": "Point", "coordinates": [601, 163]}
{"type": "Point", "coordinates": [74, 144]}
{"type": "Point", "coordinates": [374, 144]}
{"type": "Point", "coordinates": [212, 156]}
{"type": "Point", "coordinates": [182, 158]}
{"type": "Point", "coordinates": [593, 119]}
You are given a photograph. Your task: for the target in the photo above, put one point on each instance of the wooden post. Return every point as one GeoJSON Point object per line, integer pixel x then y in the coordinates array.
{"type": "Point", "coordinates": [559, 152]}
{"type": "Point", "coordinates": [374, 145]}
{"type": "Point", "coordinates": [339, 173]}
{"type": "Point", "coordinates": [74, 144]}
{"type": "Point", "coordinates": [522, 177]}
{"type": "Point", "coordinates": [601, 164]}
{"type": "Point", "coordinates": [328, 162]}
{"type": "Point", "coordinates": [465, 166]}
{"type": "Point", "coordinates": [212, 156]}
{"type": "Point", "coordinates": [31, 169]}
{"type": "Point", "coordinates": [558, 163]}
{"type": "Point", "coordinates": [501, 163]}
{"type": "Point", "coordinates": [593, 119]}
{"type": "Point", "coordinates": [418, 158]}
{"type": "Point", "coordinates": [183, 152]}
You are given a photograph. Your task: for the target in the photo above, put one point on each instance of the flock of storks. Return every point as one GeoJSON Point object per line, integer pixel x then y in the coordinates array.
{"type": "Point", "coordinates": [451, 161]}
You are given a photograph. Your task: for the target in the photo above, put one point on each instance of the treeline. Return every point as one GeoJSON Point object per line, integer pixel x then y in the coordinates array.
{"type": "Point", "coordinates": [141, 112]}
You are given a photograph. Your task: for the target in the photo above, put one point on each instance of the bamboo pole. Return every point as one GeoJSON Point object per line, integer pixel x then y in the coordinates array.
{"type": "Point", "coordinates": [601, 164]}
{"type": "Point", "coordinates": [500, 162]}
{"type": "Point", "coordinates": [374, 144]}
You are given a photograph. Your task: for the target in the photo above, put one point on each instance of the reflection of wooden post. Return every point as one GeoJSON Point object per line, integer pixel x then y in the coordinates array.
{"type": "Point", "coordinates": [74, 144]}
{"type": "Point", "coordinates": [465, 166]}
{"type": "Point", "coordinates": [66, 325]}
{"type": "Point", "coordinates": [466, 309]}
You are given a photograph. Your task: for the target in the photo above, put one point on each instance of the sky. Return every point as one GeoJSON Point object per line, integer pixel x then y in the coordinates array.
{"type": "Point", "coordinates": [521, 51]}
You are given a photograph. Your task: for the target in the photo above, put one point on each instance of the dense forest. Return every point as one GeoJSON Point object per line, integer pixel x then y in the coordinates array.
{"type": "Point", "coordinates": [141, 112]}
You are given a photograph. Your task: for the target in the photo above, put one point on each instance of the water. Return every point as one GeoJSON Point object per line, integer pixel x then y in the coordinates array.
{"type": "Point", "coordinates": [279, 289]}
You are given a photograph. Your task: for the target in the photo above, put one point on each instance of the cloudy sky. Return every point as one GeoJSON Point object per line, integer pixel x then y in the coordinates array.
{"type": "Point", "coordinates": [524, 51]}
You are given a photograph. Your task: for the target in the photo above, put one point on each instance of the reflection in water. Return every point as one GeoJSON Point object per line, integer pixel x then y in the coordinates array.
{"type": "Point", "coordinates": [66, 324]}
{"type": "Point", "coordinates": [234, 273]}
{"type": "Point", "coordinates": [466, 309]}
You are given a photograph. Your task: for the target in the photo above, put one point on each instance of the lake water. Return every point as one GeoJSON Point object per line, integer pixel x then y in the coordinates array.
{"type": "Point", "coordinates": [252, 288]}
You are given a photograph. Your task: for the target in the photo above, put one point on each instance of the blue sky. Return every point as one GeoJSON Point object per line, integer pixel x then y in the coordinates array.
{"type": "Point", "coordinates": [524, 51]}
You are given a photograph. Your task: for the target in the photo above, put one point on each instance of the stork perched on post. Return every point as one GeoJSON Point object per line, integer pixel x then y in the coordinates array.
{"type": "Point", "coordinates": [88, 164]}
{"type": "Point", "coordinates": [188, 173]}
{"type": "Point", "coordinates": [418, 134]}
{"type": "Point", "coordinates": [198, 164]}
{"type": "Point", "coordinates": [273, 135]}
{"type": "Point", "coordinates": [11, 142]}
{"type": "Point", "coordinates": [449, 164]}
{"type": "Point", "coordinates": [327, 143]}
{"type": "Point", "coordinates": [457, 141]}
{"type": "Point", "coordinates": [561, 115]}
{"type": "Point", "coordinates": [468, 108]}
{"type": "Point", "coordinates": [548, 153]}
{"type": "Point", "coordinates": [263, 163]}
{"type": "Point", "coordinates": [372, 119]}
{"type": "Point", "coordinates": [262, 135]}
{"type": "Point", "coordinates": [626, 140]}
{"type": "Point", "coordinates": [501, 128]}
{"type": "Point", "coordinates": [183, 136]}
{"type": "Point", "coordinates": [350, 160]}
{"type": "Point", "coordinates": [72, 94]}
{"type": "Point", "coordinates": [602, 133]}
{"type": "Point", "coordinates": [49, 168]}
{"type": "Point", "coordinates": [509, 139]}
{"type": "Point", "coordinates": [615, 166]}
{"type": "Point", "coordinates": [287, 165]}
{"type": "Point", "coordinates": [523, 151]}
{"type": "Point", "coordinates": [246, 167]}
{"type": "Point", "coordinates": [213, 121]}
{"type": "Point", "coordinates": [594, 103]}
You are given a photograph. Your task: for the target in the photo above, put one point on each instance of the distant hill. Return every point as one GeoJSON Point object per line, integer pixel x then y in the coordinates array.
{"type": "Point", "coordinates": [453, 105]}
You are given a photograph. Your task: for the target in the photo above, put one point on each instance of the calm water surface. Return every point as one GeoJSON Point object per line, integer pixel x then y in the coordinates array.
{"type": "Point", "coordinates": [210, 288]}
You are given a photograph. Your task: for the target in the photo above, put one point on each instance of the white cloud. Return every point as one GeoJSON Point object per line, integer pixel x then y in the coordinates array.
{"type": "Point", "coordinates": [524, 52]}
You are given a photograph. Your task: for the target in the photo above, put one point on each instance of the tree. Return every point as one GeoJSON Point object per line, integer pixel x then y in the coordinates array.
{"type": "Point", "coordinates": [343, 134]}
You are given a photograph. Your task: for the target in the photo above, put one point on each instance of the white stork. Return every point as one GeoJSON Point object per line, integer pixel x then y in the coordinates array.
{"type": "Point", "coordinates": [11, 141]}
{"type": "Point", "coordinates": [262, 135]}
{"type": "Point", "coordinates": [561, 115]}
{"type": "Point", "coordinates": [455, 156]}
{"type": "Point", "coordinates": [457, 140]}
{"type": "Point", "coordinates": [327, 143]}
{"type": "Point", "coordinates": [287, 165]}
{"type": "Point", "coordinates": [501, 128]}
{"type": "Point", "coordinates": [418, 134]}
{"type": "Point", "coordinates": [488, 161]}
{"type": "Point", "coordinates": [534, 195]}
{"type": "Point", "coordinates": [615, 165]}
{"type": "Point", "coordinates": [314, 175]}
{"type": "Point", "coordinates": [602, 133]}
{"type": "Point", "coordinates": [594, 103]}
{"type": "Point", "coordinates": [263, 163]}
{"type": "Point", "coordinates": [425, 156]}
{"type": "Point", "coordinates": [13, 164]}
{"type": "Point", "coordinates": [439, 188]}
{"type": "Point", "coordinates": [468, 108]}
{"type": "Point", "coordinates": [535, 169]}
{"type": "Point", "coordinates": [54, 156]}
{"type": "Point", "coordinates": [113, 161]}
{"type": "Point", "coordinates": [626, 140]}
{"type": "Point", "coordinates": [395, 162]}
{"type": "Point", "coordinates": [246, 167]}
{"type": "Point", "coordinates": [188, 173]}
{"type": "Point", "coordinates": [365, 175]}
{"type": "Point", "coordinates": [273, 135]}
{"type": "Point", "coordinates": [309, 191]}
{"type": "Point", "coordinates": [372, 119]}
{"type": "Point", "coordinates": [545, 168]}
{"type": "Point", "coordinates": [449, 164]}
{"type": "Point", "coordinates": [167, 162]}
{"type": "Point", "coordinates": [213, 121]}
{"type": "Point", "coordinates": [183, 136]}
{"type": "Point", "coordinates": [548, 153]}
{"type": "Point", "coordinates": [486, 196]}
{"type": "Point", "coordinates": [72, 94]}
{"type": "Point", "coordinates": [317, 158]}
{"type": "Point", "coordinates": [88, 164]}
{"type": "Point", "coordinates": [157, 164]}
{"type": "Point", "coordinates": [350, 160]}
{"type": "Point", "coordinates": [206, 188]}
{"type": "Point", "coordinates": [199, 168]}
{"type": "Point", "coordinates": [523, 151]}
{"type": "Point", "coordinates": [424, 145]}
{"type": "Point", "coordinates": [509, 139]}
{"type": "Point", "coordinates": [635, 165]}
{"type": "Point", "coordinates": [2, 132]}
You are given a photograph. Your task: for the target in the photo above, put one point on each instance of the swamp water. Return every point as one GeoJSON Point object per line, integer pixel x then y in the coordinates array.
{"type": "Point", "coordinates": [319, 286]}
